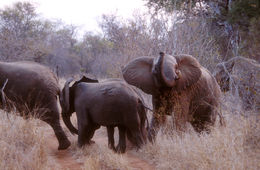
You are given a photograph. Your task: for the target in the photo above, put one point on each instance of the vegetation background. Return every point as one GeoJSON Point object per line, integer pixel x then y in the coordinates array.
{"type": "Point", "coordinates": [213, 31]}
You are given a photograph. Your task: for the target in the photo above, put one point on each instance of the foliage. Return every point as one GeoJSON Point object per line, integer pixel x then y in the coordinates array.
{"type": "Point", "coordinates": [171, 5]}
{"type": "Point", "coordinates": [24, 35]}
{"type": "Point", "coordinates": [238, 17]}
{"type": "Point", "coordinates": [242, 12]}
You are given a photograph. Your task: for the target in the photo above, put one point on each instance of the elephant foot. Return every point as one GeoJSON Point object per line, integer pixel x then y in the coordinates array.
{"type": "Point", "coordinates": [120, 149]}
{"type": "Point", "coordinates": [64, 145]}
{"type": "Point", "coordinates": [91, 142]}
{"type": "Point", "coordinates": [112, 147]}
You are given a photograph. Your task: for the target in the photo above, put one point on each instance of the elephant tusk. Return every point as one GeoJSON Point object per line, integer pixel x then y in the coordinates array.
{"type": "Point", "coordinates": [6, 81]}
{"type": "Point", "coordinates": [3, 96]}
{"type": "Point", "coordinates": [2, 92]}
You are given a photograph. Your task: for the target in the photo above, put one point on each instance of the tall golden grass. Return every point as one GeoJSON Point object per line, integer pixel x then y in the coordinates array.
{"type": "Point", "coordinates": [233, 146]}
{"type": "Point", "coordinates": [98, 155]}
{"type": "Point", "coordinates": [21, 143]}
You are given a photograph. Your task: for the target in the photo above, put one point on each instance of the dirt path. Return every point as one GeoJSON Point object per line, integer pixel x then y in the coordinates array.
{"type": "Point", "coordinates": [134, 161]}
{"type": "Point", "coordinates": [64, 157]}
{"type": "Point", "coordinates": [66, 160]}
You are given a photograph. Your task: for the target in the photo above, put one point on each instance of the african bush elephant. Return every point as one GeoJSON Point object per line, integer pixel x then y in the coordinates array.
{"type": "Point", "coordinates": [110, 103]}
{"type": "Point", "coordinates": [32, 89]}
{"type": "Point", "coordinates": [178, 84]}
{"type": "Point", "coordinates": [241, 76]}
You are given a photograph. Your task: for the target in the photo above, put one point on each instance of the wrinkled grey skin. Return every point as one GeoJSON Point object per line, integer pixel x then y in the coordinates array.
{"type": "Point", "coordinates": [241, 76]}
{"type": "Point", "coordinates": [180, 87]}
{"type": "Point", "coordinates": [110, 103]}
{"type": "Point", "coordinates": [32, 89]}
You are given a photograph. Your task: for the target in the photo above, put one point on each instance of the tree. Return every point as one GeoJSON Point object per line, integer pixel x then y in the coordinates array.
{"type": "Point", "coordinates": [24, 35]}
{"type": "Point", "coordinates": [238, 17]}
{"type": "Point", "coordinates": [20, 27]}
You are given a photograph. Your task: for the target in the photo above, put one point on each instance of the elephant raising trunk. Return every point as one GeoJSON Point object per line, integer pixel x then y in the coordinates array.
{"type": "Point", "coordinates": [179, 86]}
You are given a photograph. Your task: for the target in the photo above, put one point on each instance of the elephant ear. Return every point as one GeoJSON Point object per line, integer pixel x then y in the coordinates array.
{"type": "Point", "coordinates": [189, 71]}
{"type": "Point", "coordinates": [65, 97]}
{"type": "Point", "coordinates": [138, 72]}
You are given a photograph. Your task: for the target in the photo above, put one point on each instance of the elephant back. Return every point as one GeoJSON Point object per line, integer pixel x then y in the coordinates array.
{"type": "Point", "coordinates": [28, 82]}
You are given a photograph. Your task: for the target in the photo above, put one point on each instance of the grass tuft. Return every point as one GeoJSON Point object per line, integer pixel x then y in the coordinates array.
{"type": "Point", "coordinates": [21, 142]}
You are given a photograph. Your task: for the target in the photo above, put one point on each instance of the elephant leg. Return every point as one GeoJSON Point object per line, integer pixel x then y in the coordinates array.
{"type": "Point", "coordinates": [135, 136]}
{"type": "Point", "coordinates": [89, 133]}
{"type": "Point", "coordinates": [86, 132]}
{"type": "Point", "coordinates": [84, 127]}
{"type": "Point", "coordinates": [160, 110]}
{"type": "Point", "coordinates": [111, 140]}
{"type": "Point", "coordinates": [203, 117]}
{"type": "Point", "coordinates": [121, 147]}
{"type": "Point", "coordinates": [52, 118]}
{"type": "Point", "coordinates": [154, 128]}
{"type": "Point", "coordinates": [64, 142]}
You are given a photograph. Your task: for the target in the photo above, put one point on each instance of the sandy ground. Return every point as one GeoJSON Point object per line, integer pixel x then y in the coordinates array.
{"type": "Point", "coordinates": [66, 160]}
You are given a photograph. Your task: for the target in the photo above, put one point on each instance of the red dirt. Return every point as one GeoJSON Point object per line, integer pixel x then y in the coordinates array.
{"type": "Point", "coordinates": [62, 157]}
{"type": "Point", "coordinates": [66, 161]}
{"type": "Point", "coordinates": [134, 161]}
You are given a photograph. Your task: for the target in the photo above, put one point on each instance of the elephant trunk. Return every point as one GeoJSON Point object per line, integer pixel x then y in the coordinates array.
{"type": "Point", "coordinates": [66, 120]}
{"type": "Point", "coordinates": [66, 96]}
{"type": "Point", "coordinates": [66, 108]}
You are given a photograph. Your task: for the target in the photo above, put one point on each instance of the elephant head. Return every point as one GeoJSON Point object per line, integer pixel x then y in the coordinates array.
{"type": "Point", "coordinates": [67, 98]}
{"type": "Point", "coordinates": [165, 71]}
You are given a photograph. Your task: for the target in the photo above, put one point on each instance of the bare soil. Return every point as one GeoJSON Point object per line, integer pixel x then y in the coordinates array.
{"type": "Point", "coordinates": [66, 160]}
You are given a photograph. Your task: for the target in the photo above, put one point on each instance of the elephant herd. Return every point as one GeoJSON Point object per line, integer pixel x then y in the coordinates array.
{"type": "Point", "coordinates": [179, 86]}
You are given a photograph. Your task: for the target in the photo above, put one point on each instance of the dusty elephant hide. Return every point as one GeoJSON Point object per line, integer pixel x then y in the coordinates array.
{"type": "Point", "coordinates": [180, 87]}
{"type": "Point", "coordinates": [111, 103]}
{"type": "Point", "coordinates": [32, 89]}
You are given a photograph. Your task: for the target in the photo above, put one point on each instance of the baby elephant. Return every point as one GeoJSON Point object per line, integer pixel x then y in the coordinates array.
{"type": "Point", "coordinates": [111, 103]}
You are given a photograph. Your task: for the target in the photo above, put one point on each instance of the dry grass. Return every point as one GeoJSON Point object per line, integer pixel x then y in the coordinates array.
{"type": "Point", "coordinates": [22, 145]}
{"type": "Point", "coordinates": [98, 155]}
{"type": "Point", "coordinates": [236, 146]}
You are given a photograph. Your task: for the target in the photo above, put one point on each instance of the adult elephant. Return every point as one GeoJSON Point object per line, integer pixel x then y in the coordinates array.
{"type": "Point", "coordinates": [178, 84]}
{"type": "Point", "coordinates": [111, 103]}
{"type": "Point", "coordinates": [241, 76]}
{"type": "Point", "coordinates": [32, 89]}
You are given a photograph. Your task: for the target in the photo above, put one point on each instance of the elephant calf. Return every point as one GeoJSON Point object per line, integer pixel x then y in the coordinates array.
{"type": "Point", "coordinates": [111, 103]}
